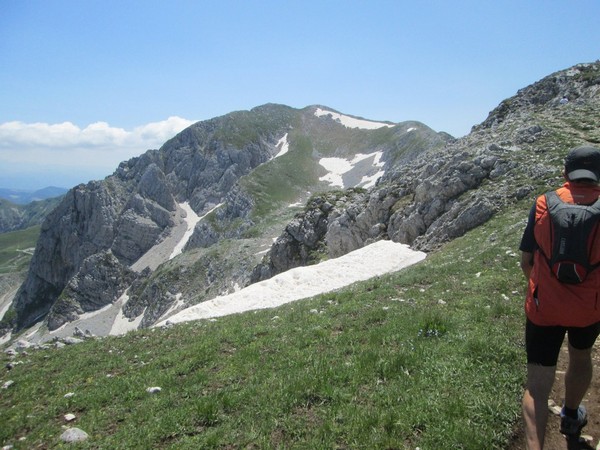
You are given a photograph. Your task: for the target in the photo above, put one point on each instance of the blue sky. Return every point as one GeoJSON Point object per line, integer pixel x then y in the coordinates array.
{"type": "Point", "coordinates": [87, 84]}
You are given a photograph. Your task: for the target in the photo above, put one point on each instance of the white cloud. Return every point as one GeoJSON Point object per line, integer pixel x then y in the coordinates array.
{"type": "Point", "coordinates": [64, 135]}
{"type": "Point", "coordinates": [97, 145]}
{"type": "Point", "coordinates": [161, 131]}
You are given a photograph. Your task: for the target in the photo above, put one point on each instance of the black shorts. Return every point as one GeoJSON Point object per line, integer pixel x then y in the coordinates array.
{"type": "Point", "coordinates": [543, 343]}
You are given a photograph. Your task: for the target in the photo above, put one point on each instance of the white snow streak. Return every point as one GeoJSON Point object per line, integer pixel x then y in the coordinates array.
{"type": "Point", "coordinates": [283, 146]}
{"type": "Point", "coordinates": [337, 167]}
{"type": "Point", "coordinates": [191, 218]}
{"type": "Point", "coordinates": [122, 324]}
{"type": "Point", "coordinates": [351, 122]}
{"type": "Point", "coordinates": [305, 282]}
{"type": "Point", "coordinates": [368, 182]}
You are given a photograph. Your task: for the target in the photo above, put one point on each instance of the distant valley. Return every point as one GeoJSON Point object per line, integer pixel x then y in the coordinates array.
{"type": "Point", "coordinates": [23, 197]}
{"type": "Point", "coordinates": [16, 213]}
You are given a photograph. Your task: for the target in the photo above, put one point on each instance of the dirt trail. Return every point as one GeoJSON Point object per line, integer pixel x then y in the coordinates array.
{"type": "Point", "coordinates": [555, 440]}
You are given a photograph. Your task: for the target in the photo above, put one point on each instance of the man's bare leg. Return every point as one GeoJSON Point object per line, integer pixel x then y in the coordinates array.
{"type": "Point", "coordinates": [578, 376]}
{"type": "Point", "coordinates": [535, 404]}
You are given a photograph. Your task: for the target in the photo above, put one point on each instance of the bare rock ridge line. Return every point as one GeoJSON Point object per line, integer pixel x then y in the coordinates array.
{"type": "Point", "coordinates": [277, 188]}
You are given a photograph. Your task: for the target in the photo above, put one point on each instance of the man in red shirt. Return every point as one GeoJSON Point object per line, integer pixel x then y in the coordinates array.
{"type": "Point", "coordinates": [555, 309]}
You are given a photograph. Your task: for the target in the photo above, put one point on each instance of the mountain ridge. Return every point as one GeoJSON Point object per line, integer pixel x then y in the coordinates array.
{"type": "Point", "coordinates": [434, 189]}
{"type": "Point", "coordinates": [136, 207]}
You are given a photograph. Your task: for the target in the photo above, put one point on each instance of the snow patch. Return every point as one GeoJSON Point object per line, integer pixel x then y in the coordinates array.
{"type": "Point", "coordinates": [7, 337]}
{"type": "Point", "coordinates": [178, 304]}
{"type": "Point", "coordinates": [283, 145]}
{"type": "Point", "coordinates": [122, 324]}
{"type": "Point", "coordinates": [82, 318]}
{"type": "Point", "coordinates": [175, 242]}
{"type": "Point", "coordinates": [306, 282]}
{"type": "Point", "coordinates": [191, 219]}
{"type": "Point", "coordinates": [351, 122]}
{"type": "Point", "coordinates": [368, 182]}
{"type": "Point", "coordinates": [5, 307]}
{"type": "Point", "coordinates": [33, 330]}
{"type": "Point", "coordinates": [337, 167]}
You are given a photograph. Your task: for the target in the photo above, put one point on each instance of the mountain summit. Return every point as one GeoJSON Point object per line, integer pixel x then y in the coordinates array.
{"type": "Point", "coordinates": [243, 197]}
{"type": "Point", "coordinates": [239, 172]}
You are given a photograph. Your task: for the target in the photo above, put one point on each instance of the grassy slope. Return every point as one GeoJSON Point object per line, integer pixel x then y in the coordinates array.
{"type": "Point", "coordinates": [12, 244]}
{"type": "Point", "coordinates": [283, 180]}
{"type": "Point", "coordinates": [428, 357]}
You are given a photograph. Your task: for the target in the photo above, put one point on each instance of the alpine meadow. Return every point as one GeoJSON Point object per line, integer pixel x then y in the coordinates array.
{"type": "Point", "coordinates": [428, 356]}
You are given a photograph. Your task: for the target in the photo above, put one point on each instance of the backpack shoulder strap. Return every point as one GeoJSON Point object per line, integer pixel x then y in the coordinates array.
{"type": "Point", "coordinates": [552, 198]}
{"type": "Point", "coordinates": [553, 201]}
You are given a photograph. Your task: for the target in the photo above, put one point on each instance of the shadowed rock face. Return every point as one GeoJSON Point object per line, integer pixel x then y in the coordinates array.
{"type": "Point", "coordinates": [79, 227]}
{"type": "Point", "coordinates": [100, 280]}
{"type": "Point", "coordinates": [129, 212]}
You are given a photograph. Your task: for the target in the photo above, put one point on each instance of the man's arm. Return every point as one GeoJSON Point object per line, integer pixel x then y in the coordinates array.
{"type": "Point", "coordinates": [526, 263]}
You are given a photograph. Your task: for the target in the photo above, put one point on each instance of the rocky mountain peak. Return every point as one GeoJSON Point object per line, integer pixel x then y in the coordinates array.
{"type": "Point", "coordinates": [276, 187]}
{"type": "Point", "coordinates": [579, 84]}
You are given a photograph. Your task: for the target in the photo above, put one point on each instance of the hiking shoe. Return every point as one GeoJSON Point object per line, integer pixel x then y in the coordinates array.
{"type": "Point", "coordinates": [570, 426]}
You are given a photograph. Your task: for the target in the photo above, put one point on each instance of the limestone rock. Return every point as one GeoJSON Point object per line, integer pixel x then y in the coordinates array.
{"type": "Point", "coordinates": [435, 188]}
{"type": "Point", "coordinates": [100, 281]}
{"type": "Point", "coordinates": [74, 435]}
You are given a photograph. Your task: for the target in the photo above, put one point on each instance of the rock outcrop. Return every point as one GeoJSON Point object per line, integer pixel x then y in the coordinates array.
{"type": "Point", "coordinates": [434, 189]}
{"type": "Point", "coordinates": [435, 198]}
{"type": "Point", "coordinates": [101, 279]}
{"type": "Point", "coordinates": [127, 213]}
{"type": "Point", "coordinates": [100, 230]}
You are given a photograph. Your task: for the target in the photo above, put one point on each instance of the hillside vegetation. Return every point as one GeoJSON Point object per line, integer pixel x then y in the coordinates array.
{"type": "Point", "coordinates": [16, 249]}
{"type": "Point", "coordinates": [15, 217]}
{"type": "Point", "coordinates": [430, 357]}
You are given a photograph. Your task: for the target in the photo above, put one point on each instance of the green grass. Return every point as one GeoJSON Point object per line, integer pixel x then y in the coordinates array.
{"type": "Point", "coordinates": [13, 258]}
{"type": "Point", "coordinates": [281, 181]}
{"type": "Point", "coordinates": [429, 357]}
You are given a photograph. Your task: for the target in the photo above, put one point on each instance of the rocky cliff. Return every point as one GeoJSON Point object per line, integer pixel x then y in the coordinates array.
{"type": "Point", "coordinates": [439, 195]}
{"type": "Point", "coordinates": [246, 168]}
{"type": "Point", "coordinates": [316, 182]}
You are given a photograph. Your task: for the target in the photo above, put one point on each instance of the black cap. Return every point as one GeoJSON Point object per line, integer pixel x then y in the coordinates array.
{"type": "Point", "coordinates": [583, 163]}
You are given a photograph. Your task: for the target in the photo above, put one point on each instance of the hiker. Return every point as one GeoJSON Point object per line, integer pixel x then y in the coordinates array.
{"type": "Point", "coordinates": [554, 307]}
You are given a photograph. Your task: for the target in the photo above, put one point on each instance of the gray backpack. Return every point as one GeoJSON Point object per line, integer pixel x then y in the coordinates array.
{"type": "Point", "coordinates": [573, 227]}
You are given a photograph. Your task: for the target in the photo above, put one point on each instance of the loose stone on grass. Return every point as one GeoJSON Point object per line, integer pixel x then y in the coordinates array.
{"type": "Point", "coordinates": [74, 435]}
